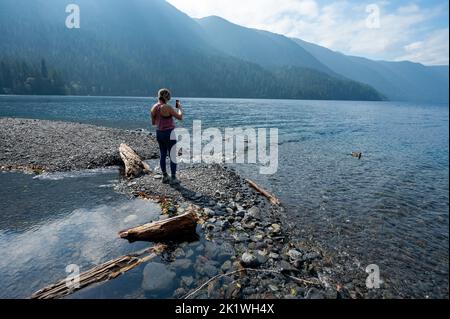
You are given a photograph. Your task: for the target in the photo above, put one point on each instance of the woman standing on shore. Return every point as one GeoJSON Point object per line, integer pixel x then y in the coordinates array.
{"type": "Point", "coordinates": [162, 115]}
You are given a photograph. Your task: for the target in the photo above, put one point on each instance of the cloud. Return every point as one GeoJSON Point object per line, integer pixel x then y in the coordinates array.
{"type": "Point", "coordinates": [340, 25]}
{"type": "Point", "coordinates": [432, 51]}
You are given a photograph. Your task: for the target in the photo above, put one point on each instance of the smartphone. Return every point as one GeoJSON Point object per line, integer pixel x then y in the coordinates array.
{"type": "Point", "coordinates": [177, 103]}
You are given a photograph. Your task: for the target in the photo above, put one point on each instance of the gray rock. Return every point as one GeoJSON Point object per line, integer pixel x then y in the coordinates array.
{"type": "Point", "coordinates": [310, 256]}
{"type": "Point", "coordinates": [157, 278]}
{"type": "Point", "coordinates": [250, 260]}
{"type": "Point", "coordinates": [219, 213]}
{"type": "Point", "coordinates": [274, 256]}
{"type": "Point", "coordinates": [273, 288]}
{"type": "Point", "coordinates": [187, 281]}
{"type": "Point", "coordinates": [197, 196]}
{"type": "Point", "coordinates": [179, 252]}
{"type": "Point", "coordinates": [189, 253]}
{"type": "Point", "coordinates": [209, 212]}
{"type": "Point", "coordinates": [251, 225]}
{"type": "Point", "coordinates": [261, 259]}
{"type": "Point", "coordinates": [226, 266]}
{"type": "Point", "coordinates": [276, 229]}
{"type": "Point", "coordinates": [226, 224]}
{"type": "Point", "coordinates": [241, 238]}
{"type": "Point", "coordinates": [314, 293]}
{"type": "Point", "coordinates": [284, 265]}
{"type": "Point", "coordinates": [211, 250]}
{"type": "Point", "coordinates": [241, 213]}
{"type": "Point", "coordinates": [211, 203]}
{"type": "Point", "coordinates": [257, 238]}
{"type": "Point", "coordinates": [226, 251]}
{"type": "Point", "coordinates": [180, 292]}
{"type": "Point", "coordinates": [253, 212]}
{"type": "Point", "coordinates": [208, 269]}
{"type": "Point", "coordinates": [294, 254]}
{"type": "Point", "coordinates": [182, 264]}
{"type": "Point", "coordinates": [220, 206]}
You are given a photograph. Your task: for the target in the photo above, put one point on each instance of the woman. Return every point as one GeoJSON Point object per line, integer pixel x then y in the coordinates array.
{"type": "Point", "coordinates": [162, 117]}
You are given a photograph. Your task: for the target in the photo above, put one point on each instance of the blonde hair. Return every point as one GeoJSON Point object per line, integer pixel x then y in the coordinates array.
{"type": "Point", "coordinates": [164, 95]}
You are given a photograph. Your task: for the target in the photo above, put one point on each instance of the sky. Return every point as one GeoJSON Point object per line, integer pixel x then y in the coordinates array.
{"type": "Point", "coordinates": [396, 30]}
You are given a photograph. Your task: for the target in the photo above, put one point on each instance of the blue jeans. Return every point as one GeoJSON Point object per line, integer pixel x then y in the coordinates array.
{"type": "Point", "coordinates": [165, 146]}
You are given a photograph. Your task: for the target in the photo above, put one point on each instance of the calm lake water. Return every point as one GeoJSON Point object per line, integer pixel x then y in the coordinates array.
{"type": "Point", "coordinates": [390, 208]}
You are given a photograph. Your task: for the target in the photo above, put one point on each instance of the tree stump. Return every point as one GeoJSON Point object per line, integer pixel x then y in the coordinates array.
{"type": "Point", "coordinates": [134, 166]}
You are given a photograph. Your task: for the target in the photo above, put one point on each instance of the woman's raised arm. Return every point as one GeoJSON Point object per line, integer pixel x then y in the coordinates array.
{"type": "Point", "coordinates": [177, 113]}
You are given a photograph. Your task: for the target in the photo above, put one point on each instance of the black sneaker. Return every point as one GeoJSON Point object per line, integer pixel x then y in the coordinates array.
{"type": "Point", "coordinates": [166, 179]}
{"type": "Point", "coordinates": [174, 181]}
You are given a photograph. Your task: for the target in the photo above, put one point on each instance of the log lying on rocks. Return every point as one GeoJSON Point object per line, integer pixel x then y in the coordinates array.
{"type": "Point", "coordinates": [175, 228]}
{"type": "Point", "coordinates": [259, 189]}
{"type": "Point", "coordinates": [134, 166]}
{"type": "Point", "coordinates": [104, 272]}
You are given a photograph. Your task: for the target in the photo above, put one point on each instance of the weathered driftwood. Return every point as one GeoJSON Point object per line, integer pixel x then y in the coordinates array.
{"type": "Point", "coordinates": [104, 272]}
{"type": "Point", "coordinates": [358, 155]}
{"type": "Point", "coordinates": [175, 228]}
{"type": "Point", "coordinates": [259, 189]}
{"type": "Point", "coordinates": [134, 166]}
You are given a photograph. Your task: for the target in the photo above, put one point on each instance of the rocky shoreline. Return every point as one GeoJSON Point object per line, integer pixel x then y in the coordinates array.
{"type": "Point", "coordinates": [49, 146]}
{"type": "Point", "coordinates": [239, 227]}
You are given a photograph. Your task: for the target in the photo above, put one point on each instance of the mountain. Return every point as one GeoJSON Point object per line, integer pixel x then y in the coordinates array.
{"type": "Point", "coordinates": [261, 47]}
{"type": "Point", "coordinates": [135, 47]}
{"type": "Point", "coordinates": [398, 81]}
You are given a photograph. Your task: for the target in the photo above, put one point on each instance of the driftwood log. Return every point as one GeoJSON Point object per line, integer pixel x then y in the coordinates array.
{"type": "Point", "coordinates": [104, 272]}
{"type": "Point", "coordinates": [176, 228]}
{"type": "Point", "coordinates": [259, 189]}
{"type": "Point", "coordinates": [358, 155]}
{"type": "Point", "coordinates": [134, 166]}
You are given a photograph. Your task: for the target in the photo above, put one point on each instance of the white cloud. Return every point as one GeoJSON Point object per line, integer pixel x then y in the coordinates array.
{"type": "Point", "coordinates": [432, 51]}
{"type": "Point", "coordinates": [340, 25]}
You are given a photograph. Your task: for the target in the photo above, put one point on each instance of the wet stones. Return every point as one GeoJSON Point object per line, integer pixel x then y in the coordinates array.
{"type": "Point", "coordinates": [275, 229]}
{"type": "Point", "coordinates": [253, 212]}
{"type": "Point", "coordinates": [182, 264]}
{"type": "Point", "coordinates": [250, 260]}
{"type": "Point", "coordinates": [226, 251]}
{"type": "Point", "coordinates": [209, 212]}
{"type": "Point", "coordinates": [157, 278]}
{"type": "Point", "coordinates": [294, 254]}
{"type": "Point", "coordinates": [187, 281]}
{"type": "Point", "coordinates": [205, 267]}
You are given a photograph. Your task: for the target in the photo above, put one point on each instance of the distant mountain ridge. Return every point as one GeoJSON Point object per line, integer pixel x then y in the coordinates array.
{"type": "Point", "coordinates": [403, 81]}
{"type": "Point", "coordinates": [135, 47]}
{"type": "Point", "coordinates": [261, 47]}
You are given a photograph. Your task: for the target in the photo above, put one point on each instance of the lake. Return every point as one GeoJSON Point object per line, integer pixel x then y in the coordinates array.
{"type": "Point", "coordinates": [390, 208]}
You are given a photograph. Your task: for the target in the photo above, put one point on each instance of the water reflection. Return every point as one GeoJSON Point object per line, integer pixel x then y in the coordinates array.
{"type": "Point", "coordinates": [36, 254]}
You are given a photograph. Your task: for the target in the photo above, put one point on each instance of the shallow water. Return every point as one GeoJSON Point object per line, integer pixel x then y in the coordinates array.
{"type": "Point", "coordinates": [389, 208]}
{"type": "Point", "coordinates": [55, 222]}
